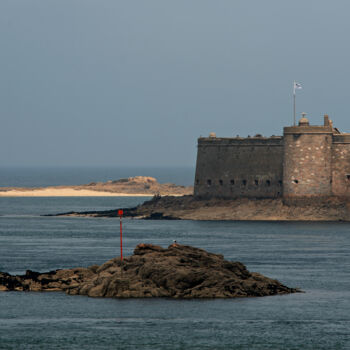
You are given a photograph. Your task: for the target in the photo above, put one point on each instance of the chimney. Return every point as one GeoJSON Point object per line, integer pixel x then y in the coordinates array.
{"type": "Point", "coordinates": [326, 120]}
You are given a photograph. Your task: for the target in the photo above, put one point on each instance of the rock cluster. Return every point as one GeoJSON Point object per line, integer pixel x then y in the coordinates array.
{"type": "Point", "coordinates": [177, 272]}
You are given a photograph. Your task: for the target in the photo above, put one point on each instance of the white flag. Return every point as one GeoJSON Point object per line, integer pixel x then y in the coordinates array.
{"type": "Point", "coordinates": [297, 86]}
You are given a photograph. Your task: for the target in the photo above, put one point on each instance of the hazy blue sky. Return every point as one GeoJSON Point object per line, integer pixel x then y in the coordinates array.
{"type": "Point", "coordinates": [111, 82]}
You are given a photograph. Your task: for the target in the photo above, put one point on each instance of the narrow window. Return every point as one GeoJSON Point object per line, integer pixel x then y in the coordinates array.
{"type": "Point", "coordinates": [268, 182]}
{"type": "Point", "coordinates": [256, 182]}
{"type": "Point", "coordinates": [280, 182]}
{"type": "Point", "coordinates": [232, 182]}
{"type": "Point", "coordinates": [209, 182]}
{"type": "Point", "coordinates": [295, 181]}
{"type": "Point", "coordinates": [244, 182]}
{"type": "Point", "coordinates": [221, 182]}
{"type": "Point", "coordinates": [197, 182]}
{"type": "Point", "coordinates": [348, 177]}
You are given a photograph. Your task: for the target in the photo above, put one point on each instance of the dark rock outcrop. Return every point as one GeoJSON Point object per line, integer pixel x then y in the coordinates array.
{"type": "Point", "coordinates": [177, 272]}
{"type": "Point", "coordinates": [191, 208]}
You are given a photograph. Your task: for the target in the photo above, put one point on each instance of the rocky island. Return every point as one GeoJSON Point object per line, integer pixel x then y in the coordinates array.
{"type": "Point", "coordinates": [178, 271]}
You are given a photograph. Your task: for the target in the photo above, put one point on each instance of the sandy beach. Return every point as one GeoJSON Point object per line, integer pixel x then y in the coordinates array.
{"type": "Point", "coordinates": [66, 192]}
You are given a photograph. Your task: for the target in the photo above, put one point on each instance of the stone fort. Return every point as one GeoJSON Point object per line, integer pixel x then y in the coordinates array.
{"type": "Point", "coordinates": [306, 162]}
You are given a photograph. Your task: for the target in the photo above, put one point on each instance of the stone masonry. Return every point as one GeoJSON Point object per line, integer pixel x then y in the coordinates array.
{"type": "Point", "coordinates": [306, 162]}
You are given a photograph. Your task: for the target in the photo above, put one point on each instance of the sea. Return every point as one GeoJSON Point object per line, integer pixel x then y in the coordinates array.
{"type": "Point", "coordinates": [314, 257]}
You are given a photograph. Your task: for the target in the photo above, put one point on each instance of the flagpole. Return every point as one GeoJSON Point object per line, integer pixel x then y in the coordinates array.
{"type": "Point", "coordinates": [294, 108]}
{"type": "Point", "coordinates": [294, 104]}
{"type": "Point", "coordinates": [296, 86]}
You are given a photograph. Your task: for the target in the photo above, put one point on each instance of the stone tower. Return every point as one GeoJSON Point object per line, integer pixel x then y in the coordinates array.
{"type": "Point", "coordinates": [307, 160]}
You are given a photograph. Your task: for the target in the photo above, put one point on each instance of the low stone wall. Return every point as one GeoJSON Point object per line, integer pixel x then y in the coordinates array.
{"type": "Point", "coordinates": [236, 167]}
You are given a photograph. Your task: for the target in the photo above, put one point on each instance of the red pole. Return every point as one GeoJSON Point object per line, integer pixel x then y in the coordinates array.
{"type": "Point", "coordinates": [120, 213]}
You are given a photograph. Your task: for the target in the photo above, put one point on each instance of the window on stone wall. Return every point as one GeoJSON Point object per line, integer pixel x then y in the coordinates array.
{"type": "Point", "coordinates": [348, 177]}
{"type": "Point", "coordinates": [244, 182]}
{"type": "Point", "coordinates": [209, 182]}
{"type": "Point", "coordinates": [197, 182]}
{"type": "Point", "coordinates": [296, 181]}
{"type": "Point", "coordinates": [232, 182]}
{"type": "Point", "coordinates": [268, 182]}
{"type": "Point", "coordinates": [256, 182]}
{"type": "Point", "coordinates": [221, 182]}
{"type": "Point", "coordinates": [280, 182]}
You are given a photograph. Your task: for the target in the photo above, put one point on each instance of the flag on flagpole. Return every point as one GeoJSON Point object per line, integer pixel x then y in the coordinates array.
{"type": "Point", "coordinates": [296, 86]}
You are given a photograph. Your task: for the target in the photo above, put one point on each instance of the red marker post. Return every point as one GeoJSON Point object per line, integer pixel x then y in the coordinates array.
{"type": "Point", "coordinates": [120, 213]}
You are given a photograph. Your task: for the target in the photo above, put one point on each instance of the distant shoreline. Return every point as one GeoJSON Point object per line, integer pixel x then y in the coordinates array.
{"type": "Point", "coordinates": [138, 186]}
{"type": "Point", "coordinates": [66, 192]}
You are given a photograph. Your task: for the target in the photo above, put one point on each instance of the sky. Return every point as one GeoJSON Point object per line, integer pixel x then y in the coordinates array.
{"type": "Point", "coordinates": [135, 83]}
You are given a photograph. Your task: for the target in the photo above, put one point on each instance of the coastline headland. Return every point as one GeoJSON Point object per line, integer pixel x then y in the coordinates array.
{"type": "Point", "coordinates": [178, 271]}
{"type": "Point", "coordinates": [138, 186]}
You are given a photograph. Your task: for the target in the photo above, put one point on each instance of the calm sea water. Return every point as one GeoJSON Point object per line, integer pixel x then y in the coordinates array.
{"type": "Point", "coordinates": [54, 176]}
{"type": "Point", "coordinates": [312, 256]}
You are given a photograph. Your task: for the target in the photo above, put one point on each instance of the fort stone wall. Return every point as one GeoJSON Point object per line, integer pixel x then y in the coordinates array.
{"type": "Point", "coordinates": [308, 163]}
{"type": "Point", "coordinates": [239, 167]}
